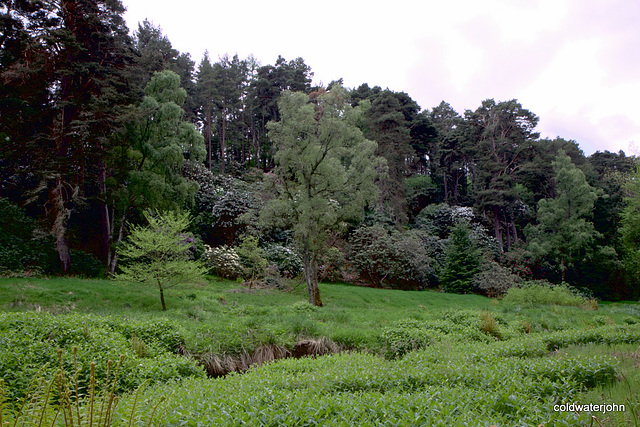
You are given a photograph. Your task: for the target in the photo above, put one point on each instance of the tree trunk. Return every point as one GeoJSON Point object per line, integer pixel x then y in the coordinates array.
{"type": "Point", "coordinates": [164, 306]}
{"type": "Point", "coordinates": [113, 254]}
{"type": "Point", "coordinates": [208, 131]}
{"type": "Point", "coordinates": [105, 219]}
{"type": "Point", "coordinates": [496, 227]}
{"type": "Point", "coordinates": [311, 275]}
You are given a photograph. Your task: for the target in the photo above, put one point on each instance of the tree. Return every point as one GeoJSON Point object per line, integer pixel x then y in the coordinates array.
{"type": "Point", "coordinates": [157, 141]}
{"type": "Point", "coordinates": [462, 261]}
{"type": "Point", "coordinates": [65, 72]}
{"type": "Point", "coordinates": [449, 152]}
{"type": "Point", "coordinates": [564, 232]}
{"type": "Point", "coordinates": [503, 135]}
{"type": "Point", "coordinates": [160, 253]}
{"type": "Point", "coordinates": [324, 175]}
{"type": "Point", "coordinates": [630, 229]}
{"type": "Point", "coordinates": [390, 129]}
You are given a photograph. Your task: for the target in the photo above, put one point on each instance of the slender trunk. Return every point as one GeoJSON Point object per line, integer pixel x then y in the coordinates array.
{"type": "Point", "coordinates": [208, 130]}
{"type": "Point", "coordinates": [456, 182]}
{"type": "Point", "coordinates": [311, 275]}
{"type": "Point", "coordinates": [105, 238]}
{"type": "Point", "coordinates": [496, 227]}
{"type": "Point", "coordinates": [444, 181]}
{"type": "Point", "coordinates": [223, 142]}
{"type": "Point", "coordinates": [113, 261]}
{"type": "Point", "coordinates": [164, 306]}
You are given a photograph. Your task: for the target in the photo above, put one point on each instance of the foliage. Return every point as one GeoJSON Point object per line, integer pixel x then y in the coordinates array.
{"type": "Point", "coordinates": [564, 232]}
{"type": "Point", "coordinates": [324, 175]}
{"type": "Point", "coordinates": [630, 229]}
{"type": "Point", "coordinates": [19, 248]}
{"type": "Point", "coordinates": [448, 384]}
{"type": "Point", "coordinates": [287, 260]}
{"type": "Point", "coordinates": [494, 280]}
{"type": "Point", "coordinates": [31, 342]}
{"type": "Point", "coordinates": [390, 258]}
{"type": "Point", "coordinates": [252, 257]}
{"type": "Point", "coordinates": [462, 262]}
{"type": "Point", "coordinates": [60, 401]}
{"type": "Point", "coordinates": [531, 294]}
{"type": "Point", "coordinates": [222, 261]}
{"type": "Point", "coordinates": [160, 253]}
{"type": "Point", "coordinates": [331, 263]}
{"type": "Point", "coordinates": [221, 203]}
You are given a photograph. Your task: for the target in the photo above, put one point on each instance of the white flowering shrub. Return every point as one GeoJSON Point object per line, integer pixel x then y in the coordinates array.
{"type": "Point", "coordinates": [223, 261]}
{"type": "Point", "coordinates": [287, 261]}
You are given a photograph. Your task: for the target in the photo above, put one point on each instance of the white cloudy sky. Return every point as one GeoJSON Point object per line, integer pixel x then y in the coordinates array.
{"type": "Point", "coordinates": [574, 63]}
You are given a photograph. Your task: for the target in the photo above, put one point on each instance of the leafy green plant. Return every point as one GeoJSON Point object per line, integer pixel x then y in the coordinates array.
{"type": "Point", "coordinates": [159, 255]}
{"type": "Point", "coordinates": [532, 294]}
{"type": "Point", "coordinates": [388, 258]}
{"type": "Point", "coordinates": [61, 400]}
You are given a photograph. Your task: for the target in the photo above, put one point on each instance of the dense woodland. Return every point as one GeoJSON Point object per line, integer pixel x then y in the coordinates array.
{"type": "Point", "coordinates": [97, 126]}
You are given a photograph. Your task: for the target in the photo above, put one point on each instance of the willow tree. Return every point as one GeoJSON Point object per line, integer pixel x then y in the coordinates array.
{"type": "Point", "coordinates": [324, 174]}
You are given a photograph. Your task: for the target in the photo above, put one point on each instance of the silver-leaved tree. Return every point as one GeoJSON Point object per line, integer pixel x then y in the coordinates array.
{"type": "Point", "coordinates": [159, 254]}
{"type": "Point", "coordinates": [324, 174]}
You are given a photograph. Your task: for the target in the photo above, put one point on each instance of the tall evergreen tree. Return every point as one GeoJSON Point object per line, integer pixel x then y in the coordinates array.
{"type": "Point", "coordinates": [390, 129]}
{"type": "Point", "coordinates": [565, 233]}
{"type": "Point", "coordinates": [503, 136]}
{"type": "Point", "coordinates": [78, 48]}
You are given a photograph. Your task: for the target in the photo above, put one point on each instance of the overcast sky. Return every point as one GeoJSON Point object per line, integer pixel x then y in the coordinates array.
{"type": "Point", "coordinates": [574, 63]}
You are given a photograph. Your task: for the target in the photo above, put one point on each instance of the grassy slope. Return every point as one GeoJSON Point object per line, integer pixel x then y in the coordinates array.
{"type": "Point", "coordinates": [224, 317]}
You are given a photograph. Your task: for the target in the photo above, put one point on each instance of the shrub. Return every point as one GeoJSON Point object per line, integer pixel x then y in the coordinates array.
{"type": "Point", "coordinates": [30, 343]}
{"type": "Point", "coordinates": [330, 265]}
{"type": "Point", "coordinates": [532, 294]}
{"type": "Point", "coordinates": [391, 258]}
{"type": "Point", "coordinates": [494, 280]}
{"type": "Point", "coordinates": [253, 258]}
{"type": "Point", "coordinates": [222, 261]}
{"type": "Point", "coordinates": [286, 260]}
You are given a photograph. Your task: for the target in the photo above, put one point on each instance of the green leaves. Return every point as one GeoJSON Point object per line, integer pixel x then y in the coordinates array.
{"type": "Point", "coordinates": [324, 175]}
{"type": "Point", "coordinates": [159, 254]}
{"type": "Point", "coordinates": [564, 233]}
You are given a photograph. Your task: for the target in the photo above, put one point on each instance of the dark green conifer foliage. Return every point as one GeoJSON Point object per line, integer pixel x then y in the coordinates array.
{"type": "Point", "coordinates": [462, 261]}
{"type": "Point", "coordinates": [565, 233]}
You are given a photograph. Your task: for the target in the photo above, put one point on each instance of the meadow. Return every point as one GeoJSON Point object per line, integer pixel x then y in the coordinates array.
{"type": "Point", "coordinates": [369, 357]}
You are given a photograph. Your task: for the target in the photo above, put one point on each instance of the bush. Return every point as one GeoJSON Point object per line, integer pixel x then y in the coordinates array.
{"type": "Point", "coordinates": [331, 263]}
{"type": "Point", "coordinates": [532, 294]}
{"type": "Point", "coordinates": [253, 258]}
{"type": "Point", "coordinates": [495, 280]}
{"type": "Point", "coordinates": [222, 261]}
{"type": "Point", "coordinates": [391, 258]}
{"type": "Point", "coordinates": [286, 260]}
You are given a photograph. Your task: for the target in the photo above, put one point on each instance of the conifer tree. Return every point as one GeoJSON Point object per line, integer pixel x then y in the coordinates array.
{"type": "Point", "coordinates": [564, 232]}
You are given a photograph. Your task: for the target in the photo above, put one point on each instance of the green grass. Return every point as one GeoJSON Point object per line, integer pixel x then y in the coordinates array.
{"type": "Point", "coordinates": [438, 346]}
